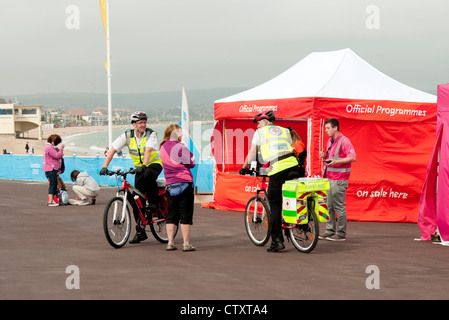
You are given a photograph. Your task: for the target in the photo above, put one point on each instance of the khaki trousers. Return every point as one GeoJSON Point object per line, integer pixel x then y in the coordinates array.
{"type": "Point", "coordinates": [336, 200]}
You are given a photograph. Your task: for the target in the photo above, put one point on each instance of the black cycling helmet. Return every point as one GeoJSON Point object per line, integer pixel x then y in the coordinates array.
{"type": "Point", "coordinates": [138, 115]}
{"type": "Point", "coordinates": [268, 116]}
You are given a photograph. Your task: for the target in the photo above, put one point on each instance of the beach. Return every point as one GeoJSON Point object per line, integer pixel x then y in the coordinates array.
{"type": "Point", "coordinates": [17, 145]}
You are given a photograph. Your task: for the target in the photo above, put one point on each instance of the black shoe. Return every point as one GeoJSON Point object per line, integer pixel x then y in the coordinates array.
{"type": "Point", "coordinates": [276, 245]}
{"type": "Point", "coordinates": [140, 236]}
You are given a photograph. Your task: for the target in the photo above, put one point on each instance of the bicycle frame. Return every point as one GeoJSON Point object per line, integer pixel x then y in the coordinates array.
{"type": "Point", "coordinates": [258, 191]}
{"type": "Point", "coordinates": [126, 188]}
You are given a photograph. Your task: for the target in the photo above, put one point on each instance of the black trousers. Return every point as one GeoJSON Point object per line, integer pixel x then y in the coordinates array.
{"type": "Point", "coordinates": [275, 198]}
{"type": "Point", "coordinates": [145, 182]}
{"type": "Point", "coordinates": [180, 208]}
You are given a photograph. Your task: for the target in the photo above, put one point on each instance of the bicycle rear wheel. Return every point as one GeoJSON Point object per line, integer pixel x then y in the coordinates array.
{"type": "Point", "coordinates": [158, 227]}
{"type": "Point", "coordinates": [117, 222]}
{"type": "Point", "coordinates": [305, 236]}
{"type": "Point", "coordinates": [257, 220]}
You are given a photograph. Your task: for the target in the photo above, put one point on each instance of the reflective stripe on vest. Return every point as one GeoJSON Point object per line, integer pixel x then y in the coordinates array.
{"type": "Point", "coordinates": [340, 167]}
{"type": "Point", "coordinates": [137, 154]}
{"type": "Point", "coordinates": [275, 143]}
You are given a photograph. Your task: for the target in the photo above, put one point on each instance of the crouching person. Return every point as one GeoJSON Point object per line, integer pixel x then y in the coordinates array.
{"type": "Point", "coordinates": [86, 188]}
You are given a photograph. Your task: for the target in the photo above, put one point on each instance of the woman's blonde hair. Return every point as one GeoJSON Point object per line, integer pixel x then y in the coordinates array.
{"type": "Point", "coordinates": [169, 132]}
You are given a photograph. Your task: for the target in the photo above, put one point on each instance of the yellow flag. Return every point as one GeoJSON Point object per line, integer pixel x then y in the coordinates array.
{"type": "Point", "coordinates": [104, 15]}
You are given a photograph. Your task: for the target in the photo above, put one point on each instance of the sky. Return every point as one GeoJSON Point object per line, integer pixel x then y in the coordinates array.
{"type": "Point", "coordinates": [164, 45]}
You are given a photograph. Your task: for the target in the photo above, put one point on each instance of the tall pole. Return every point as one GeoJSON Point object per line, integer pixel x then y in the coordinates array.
{"type": "Point", "coordinates": [108, 48]}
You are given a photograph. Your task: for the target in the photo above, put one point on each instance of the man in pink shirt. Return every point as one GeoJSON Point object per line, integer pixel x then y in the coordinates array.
{"type": "Point", "coordinates": [338, 158]}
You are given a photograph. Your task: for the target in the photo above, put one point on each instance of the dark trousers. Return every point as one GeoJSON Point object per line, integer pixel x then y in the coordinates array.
{"type": "Point", "coordinates": [180, 208]}
{"type": "Point", "coordinates": [145, 182]}
{"type": "Point", "coordinates": [275, 199]}
{"type": "Point", "coordinates": [52, 177]}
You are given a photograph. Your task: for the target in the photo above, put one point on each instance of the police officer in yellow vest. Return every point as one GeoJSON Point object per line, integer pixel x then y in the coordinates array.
{"type": "Point", "coordinates": [144, 151]}
{"type": "Point", "coordinates": [272, 146]}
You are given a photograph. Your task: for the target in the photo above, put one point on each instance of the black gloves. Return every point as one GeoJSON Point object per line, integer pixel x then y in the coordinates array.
{"type": "Point", "coordinates": [140, 169]}
{"type": "Point", "coordinates": [103, 171]}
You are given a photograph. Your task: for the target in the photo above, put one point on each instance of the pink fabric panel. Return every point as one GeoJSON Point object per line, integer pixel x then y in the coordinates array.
{"type": "Point", "coordinates": [427, 206]}
{"type": "Point", "coordinates": [443, 185]}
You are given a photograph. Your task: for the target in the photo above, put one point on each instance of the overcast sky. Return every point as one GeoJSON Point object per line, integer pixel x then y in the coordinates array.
{"type": "Point", "coordinates": [162, 45]}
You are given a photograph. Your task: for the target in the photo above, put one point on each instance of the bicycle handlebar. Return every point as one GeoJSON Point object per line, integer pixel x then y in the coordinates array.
{"type": "Point", "coordinates": [245, 171]}
{"type": "Point", "coordinates": [252, 172]}
{"type": "Point", "coordinates": [121, 173]}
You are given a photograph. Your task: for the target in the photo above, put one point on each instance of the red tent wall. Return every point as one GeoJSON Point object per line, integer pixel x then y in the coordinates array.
{"type": "Point", "coordinates": [387, 178]}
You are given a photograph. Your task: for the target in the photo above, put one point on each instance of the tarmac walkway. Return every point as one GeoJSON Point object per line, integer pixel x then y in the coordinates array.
{"type": "Point", "coordinates": [42, 247]}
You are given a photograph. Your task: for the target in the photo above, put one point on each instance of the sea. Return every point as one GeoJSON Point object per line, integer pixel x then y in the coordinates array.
{"type": "Point", "coordinates": [94, 143]}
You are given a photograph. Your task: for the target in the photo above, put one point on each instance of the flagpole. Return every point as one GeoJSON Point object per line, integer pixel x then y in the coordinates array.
{"type": "Point", "coordinates": [108, 48]}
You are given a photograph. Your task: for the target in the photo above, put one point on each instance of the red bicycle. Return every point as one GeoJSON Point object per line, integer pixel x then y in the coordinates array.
{"type": "Point", "coordinates": [117, 218]}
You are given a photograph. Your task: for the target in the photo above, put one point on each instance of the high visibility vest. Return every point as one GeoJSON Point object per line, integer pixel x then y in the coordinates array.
{"type": "Point", "coordinates": [137, 154]}
{"type": "Point", "coordinates": [275, 147]}
{"type": "Point", "coordinates": [339, 171]}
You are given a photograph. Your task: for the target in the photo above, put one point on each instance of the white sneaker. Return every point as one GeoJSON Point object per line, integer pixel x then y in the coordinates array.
{"type": "Point", "coordinates": [52, 204]}
{"type": "Point", "coordinates": [78, 202]}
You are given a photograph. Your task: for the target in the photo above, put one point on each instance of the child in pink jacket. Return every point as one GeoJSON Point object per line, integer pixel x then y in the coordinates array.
{"type": "Point", "coordinates": [51, 161]}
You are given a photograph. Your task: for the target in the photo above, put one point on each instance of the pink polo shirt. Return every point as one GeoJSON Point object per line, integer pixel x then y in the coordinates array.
{"type": "Point", "coordinates": [343, 146]}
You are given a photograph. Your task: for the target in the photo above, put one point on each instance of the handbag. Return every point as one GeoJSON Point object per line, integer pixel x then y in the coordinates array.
{"type": "Point", "coordinates": [176, 189]}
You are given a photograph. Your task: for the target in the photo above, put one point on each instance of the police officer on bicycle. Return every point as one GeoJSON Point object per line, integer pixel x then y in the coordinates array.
{"type": "Point", "coordinates": [272, 146]}
{"type": "Point", "coordinates": [144, 151]}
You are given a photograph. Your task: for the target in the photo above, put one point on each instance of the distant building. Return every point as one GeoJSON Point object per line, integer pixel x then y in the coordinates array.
{"type": "Point", "coordinates": [16, 120]}
{"type": "Point", "coordinates": [76, 113]}
{"type": "Point", "coordinates": [98, 117]}
{"type": "Point", "coordinates": [75, 117]}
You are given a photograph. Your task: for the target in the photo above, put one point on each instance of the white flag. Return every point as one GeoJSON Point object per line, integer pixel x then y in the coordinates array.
{"type": "Point", "coordinates": [185, 121]}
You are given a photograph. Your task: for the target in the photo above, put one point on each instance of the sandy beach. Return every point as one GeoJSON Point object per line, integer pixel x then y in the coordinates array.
{"type": "Point", "coordinates": [17, 145]}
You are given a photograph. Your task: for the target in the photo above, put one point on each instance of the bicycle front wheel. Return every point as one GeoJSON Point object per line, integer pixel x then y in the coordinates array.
{"type": "Point", "coordinates": [305, 236]}
{"type": "Point", "coordinates": [117, 222]}
{"type": "Point", "coordinates": [257, 220]}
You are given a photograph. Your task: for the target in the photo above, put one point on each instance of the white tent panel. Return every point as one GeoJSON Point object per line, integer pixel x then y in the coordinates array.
{"type": "Point", "coordinates": [335, 74]}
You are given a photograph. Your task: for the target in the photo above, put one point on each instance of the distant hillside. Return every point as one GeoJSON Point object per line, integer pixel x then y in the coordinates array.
{"type": "Point", "coordinates": [158, 105]}
{"type": "Point", "coordinates": [162, 104]}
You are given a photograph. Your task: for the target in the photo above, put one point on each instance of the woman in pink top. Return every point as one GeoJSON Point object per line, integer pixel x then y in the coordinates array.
{"type": "Point", "coordinates": [177, 161]}
{"type": "Point", "coordinates": [51, 162]}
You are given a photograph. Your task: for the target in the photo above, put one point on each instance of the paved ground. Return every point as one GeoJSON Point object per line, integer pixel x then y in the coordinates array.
{"type": "Point", "coordinates": [38, 244]}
